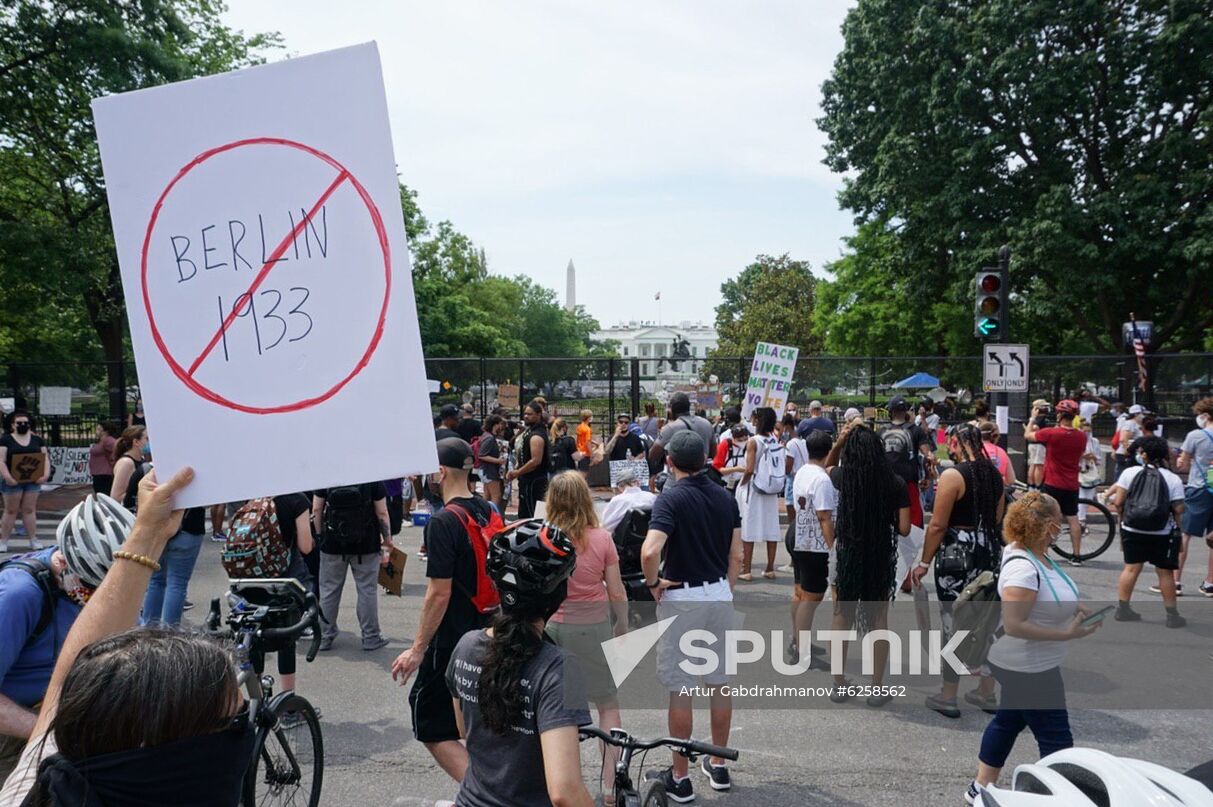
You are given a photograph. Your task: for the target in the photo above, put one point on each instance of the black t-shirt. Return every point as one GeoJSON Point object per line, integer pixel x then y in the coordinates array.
{"type": "Point", "coordinates": [627, 446]}
{"type": "Point", "coordinates": [451, 557]}
{"type": "Point", "coordinates": [489, 447]}
{"type": "Point", "coordinates": [14, 448]}
{"type": "Point", "coordinates": [562, 454]}
{"type": "Point", "coordinates": [469, 429]}
{"type": "Point", "coordinates": [194, 521]}
{"type": "Point", "coordinates": [525, 437]}
{"type": "Point", "coordinates": [442, 432]}
{"type": "Point", "coordinates": [699, 517]}
{"type": "Point", "coordinates": [289, 508]}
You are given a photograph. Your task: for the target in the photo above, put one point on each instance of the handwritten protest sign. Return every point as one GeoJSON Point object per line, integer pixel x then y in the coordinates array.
{"type": "Point", "coordinates": [266, 274]}
{"type": "Point", "coordinates": [770, 378]}
{"type": "Point", "coordinates": [638, 467]}
{"type": "Point", "coordinates": [69, 466]}
{"type": "Point", "coordinates": [507, 396]}
{"type": "Point", "coordinates": [54, 400]}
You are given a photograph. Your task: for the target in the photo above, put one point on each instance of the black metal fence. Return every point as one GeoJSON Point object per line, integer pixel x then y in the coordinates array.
{"type": "Point", "coordinates": [608, 386]}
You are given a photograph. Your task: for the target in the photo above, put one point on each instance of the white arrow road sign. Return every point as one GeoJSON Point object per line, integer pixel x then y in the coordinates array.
{"type": "Point", "coordinates": [1006, 368]}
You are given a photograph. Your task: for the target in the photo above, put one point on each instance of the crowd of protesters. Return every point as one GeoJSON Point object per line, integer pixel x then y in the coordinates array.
{"type": "Point", "coordinates": [852, 492]}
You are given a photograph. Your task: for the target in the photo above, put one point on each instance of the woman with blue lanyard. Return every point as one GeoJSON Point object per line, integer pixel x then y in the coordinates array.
{"type": "Point", "coordinates": [1040, 613]}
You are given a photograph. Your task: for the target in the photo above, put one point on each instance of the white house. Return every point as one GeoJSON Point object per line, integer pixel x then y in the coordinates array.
{"type": "Point", "coordinates": [649, 342]}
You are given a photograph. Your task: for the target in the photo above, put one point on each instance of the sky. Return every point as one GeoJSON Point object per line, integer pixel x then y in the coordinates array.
{"type": "Point", "coordinates": [659, 145]}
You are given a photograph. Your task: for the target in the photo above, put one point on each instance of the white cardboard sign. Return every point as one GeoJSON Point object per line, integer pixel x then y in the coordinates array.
{"type": "Point", "coordinates": [259, 232]}
{"type": "Point", "coordinates": [54, 400]}
{"type": "Point", "coordinates": [770, 378]}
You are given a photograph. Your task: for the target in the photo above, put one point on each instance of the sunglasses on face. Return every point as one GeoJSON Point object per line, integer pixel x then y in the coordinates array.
{"type": "Point", "coordinates": [21, 423]}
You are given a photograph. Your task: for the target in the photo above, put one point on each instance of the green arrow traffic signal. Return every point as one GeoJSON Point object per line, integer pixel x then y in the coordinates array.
{"type": "Point", "coordinates": [987, 326]}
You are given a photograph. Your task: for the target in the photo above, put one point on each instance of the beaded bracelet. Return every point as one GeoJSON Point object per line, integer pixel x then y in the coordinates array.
{"type": "Point", "coordinates": [142, 560]}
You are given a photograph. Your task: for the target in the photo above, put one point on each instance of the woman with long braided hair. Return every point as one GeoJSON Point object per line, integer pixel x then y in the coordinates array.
{"type": "Point", "coordinates": [873, 509]}
{"type": "Point", "coordinates": [964, 539]}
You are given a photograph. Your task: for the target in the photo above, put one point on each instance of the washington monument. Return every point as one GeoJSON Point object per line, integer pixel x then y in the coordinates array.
{"type": "Point", "coordinates": [570, 287]}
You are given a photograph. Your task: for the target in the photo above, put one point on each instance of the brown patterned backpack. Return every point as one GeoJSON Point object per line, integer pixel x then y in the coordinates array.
{"type": "Point", "coordinates": [255, 546]}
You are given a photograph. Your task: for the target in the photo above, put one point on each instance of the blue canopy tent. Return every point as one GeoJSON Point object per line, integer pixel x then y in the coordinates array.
{"type": "Point", "coordinates": [916, 381]}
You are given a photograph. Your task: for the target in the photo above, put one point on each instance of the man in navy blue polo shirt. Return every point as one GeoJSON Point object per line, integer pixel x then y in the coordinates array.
{"type": "Point", "coordinates": [697, 522]}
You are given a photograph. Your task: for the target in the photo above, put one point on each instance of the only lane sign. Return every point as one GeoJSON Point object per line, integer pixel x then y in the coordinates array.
{"type": "Point", "coordinates": [1005, 368]}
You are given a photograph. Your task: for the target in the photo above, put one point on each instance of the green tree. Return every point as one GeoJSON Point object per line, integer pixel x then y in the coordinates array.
{"type": "Point", "coordinates": [56, 248]}
{"type": "Point", "coordinates": [876, 304]}
{"type": "Point", "coordinates": [1080, 132]}
{"type": "Point", "coordinates": [772, 300]}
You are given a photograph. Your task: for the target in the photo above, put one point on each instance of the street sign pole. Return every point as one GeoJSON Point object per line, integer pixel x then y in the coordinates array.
{"type": "Point", "coordinates": [1004, 328]}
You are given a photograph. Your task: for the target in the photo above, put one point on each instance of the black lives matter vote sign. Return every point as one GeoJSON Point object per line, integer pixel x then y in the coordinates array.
{"type": "Point", "coordinates": [259, 232]}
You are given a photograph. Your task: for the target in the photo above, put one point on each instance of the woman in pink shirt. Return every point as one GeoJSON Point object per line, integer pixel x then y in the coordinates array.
{"type": "Point", "coordinates": [996, 453]}
{"type": "Point", "coordinates": [101, 456]}
{"type": "Point", "coordinates": [596, 590]}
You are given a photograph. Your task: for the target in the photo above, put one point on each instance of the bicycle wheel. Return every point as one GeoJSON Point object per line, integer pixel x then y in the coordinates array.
{"type": "Point", "coordinates": [652, 794]}
{"type": "Point", "coordinates": [1097, 534]}
{"type": "Point", "coordinates": [288, 763]}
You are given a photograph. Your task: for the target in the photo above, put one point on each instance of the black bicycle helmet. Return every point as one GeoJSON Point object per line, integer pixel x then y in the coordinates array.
{"type": "Point", "coordinates": [528, 561]}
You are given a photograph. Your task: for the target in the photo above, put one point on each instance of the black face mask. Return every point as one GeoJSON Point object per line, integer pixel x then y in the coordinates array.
{"type": "Point", "coordinates": [22, 428]}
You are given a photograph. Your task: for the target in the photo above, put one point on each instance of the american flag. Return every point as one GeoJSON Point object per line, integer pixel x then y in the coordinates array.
{"type": "Point", "coordinates": [657, 296]}
{"type": "Point", "coordinates": [1139, 348]}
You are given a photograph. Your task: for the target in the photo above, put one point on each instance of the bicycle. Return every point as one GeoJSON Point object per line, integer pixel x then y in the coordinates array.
{"type": "Point", "coordinates": [1098, 529]}
{"type": "Point", "coordinates": [652, 791]}
{"type": "Point", "coordinates": [265, 616]}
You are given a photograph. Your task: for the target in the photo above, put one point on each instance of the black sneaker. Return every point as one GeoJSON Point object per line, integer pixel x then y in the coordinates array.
{"type": "Point", "coordinates": [1126, 614]}
{"type": "Point", "coordinates": [943, 706]}
{"type": "Point", "coordinates": [792, 654]}
{"type": "Point", "coordinates": [187, 605]}
{"type": "Point", "coordinates": [681, 792]}
{"type": "Point", "coordinates": [1174, 620]}
{"type": "Point", "coordinates": [718, 776]}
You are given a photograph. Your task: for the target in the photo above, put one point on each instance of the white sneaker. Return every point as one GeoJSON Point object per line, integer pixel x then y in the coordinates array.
{"type": "Point", "coordinates": [35, 544]}
{"type": "Point", "coordinates": [3, 547]}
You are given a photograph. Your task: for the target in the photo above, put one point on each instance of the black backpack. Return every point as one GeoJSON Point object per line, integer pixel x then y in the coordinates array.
{"type": "Point", "coordinates": [349, 522]}
{"type": "Point", "coordinates": [899, 448]}
{"type": "Point", "coordinates": [37, 569]}
{"type": "Point", "coordinates": [1148, 505]}
{"type": "Point", "coordinates": [629, 537]}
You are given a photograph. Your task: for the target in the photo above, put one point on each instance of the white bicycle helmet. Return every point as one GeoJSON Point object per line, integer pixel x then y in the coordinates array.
{"type": "Point", "coordinates": [89, 535]}
{"type": "Point", "coordinates": [1084, 777]}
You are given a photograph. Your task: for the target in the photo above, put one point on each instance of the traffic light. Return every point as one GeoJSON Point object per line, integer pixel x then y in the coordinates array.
{"type": "Point", "coordinates": [990, 304]}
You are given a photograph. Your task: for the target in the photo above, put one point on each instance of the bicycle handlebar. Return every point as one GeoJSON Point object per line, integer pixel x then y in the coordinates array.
{"type": "Point", "coordinates": [621, 739]}
{"type": "Point", "coordinates": [310, 617]}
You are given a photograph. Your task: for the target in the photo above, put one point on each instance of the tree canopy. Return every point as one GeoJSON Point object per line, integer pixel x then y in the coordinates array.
{"type": "Point", "coordinates": [772, 300]}
{"type": "Point", "coordinates": [1079, 132]}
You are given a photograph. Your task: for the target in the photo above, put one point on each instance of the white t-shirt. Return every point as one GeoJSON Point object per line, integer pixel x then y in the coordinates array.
{"type": "Point", "coordinates": [799, 453]}
{"type": "Point", "coordinates": [812, 484]}
{"type": "Point", "coordinates": [1056, 602]}
{"type": "Point", "coordinates": [1134, 429]}
{"type": "Point", "coordinates": [1175, 487]}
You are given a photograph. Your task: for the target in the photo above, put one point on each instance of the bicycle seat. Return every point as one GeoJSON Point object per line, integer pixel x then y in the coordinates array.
{"type": "Point", "coordinates": [284, 599]}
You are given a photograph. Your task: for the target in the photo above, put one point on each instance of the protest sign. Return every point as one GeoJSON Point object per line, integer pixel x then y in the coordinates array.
{"type": "Point", "coordinates": [507, 396]}
{"type": "Point", "coordinates": [54, 400]}
{"type": "Point", "coordinates": [27, 468]}
{"type": "Point", "coordinates": [391, 574]}
{"type": "Point", "coordinates": [770, 378]}
{"type": "Point", "coordinates": [266, 274]}
{"type": "Point", "coordinates": [69, 466]}
{"type": "Point", "coordinates": [638, 467]}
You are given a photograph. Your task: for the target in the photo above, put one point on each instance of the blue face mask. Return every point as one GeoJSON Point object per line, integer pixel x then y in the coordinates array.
{"type": "Point", "coordinates": [147, 448]}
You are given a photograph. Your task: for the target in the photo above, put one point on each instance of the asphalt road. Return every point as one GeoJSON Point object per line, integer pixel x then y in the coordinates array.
{"type": "Point", "coordinates": [901, 755]}
{"type": "Point", "coordinates": [845, 757]}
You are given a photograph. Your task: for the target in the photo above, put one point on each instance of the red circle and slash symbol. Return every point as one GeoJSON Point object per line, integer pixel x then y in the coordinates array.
{"type": "Point", "coordinates": [186, 374]}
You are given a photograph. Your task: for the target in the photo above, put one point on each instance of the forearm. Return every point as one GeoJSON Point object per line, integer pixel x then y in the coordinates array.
{"type": "Point", "coordinates": [735, 555]}
{"type": "Point", "coordinates": [15, 719]}
{"type": "Point", "coordinates": [433, 609]}
{"type": "Point", "coordinates": [827, 527]}
{"type": "Point", "coordinates": [1024, 629]}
